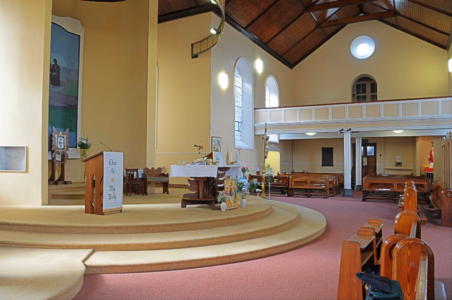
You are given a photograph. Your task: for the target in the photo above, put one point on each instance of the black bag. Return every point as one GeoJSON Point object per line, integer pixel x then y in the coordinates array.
{"type": "Point", "coordinates": [381, 288]}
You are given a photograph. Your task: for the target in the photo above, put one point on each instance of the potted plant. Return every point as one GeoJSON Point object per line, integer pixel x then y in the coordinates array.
{"type": "Point", "coordinates": [253, 186]}
{"type": "Point", "coordinates": [243, 195]}
{"type": "Point", "coordinates": [221, 198]}
{"type": "Point", "coordinates": [84, 145]}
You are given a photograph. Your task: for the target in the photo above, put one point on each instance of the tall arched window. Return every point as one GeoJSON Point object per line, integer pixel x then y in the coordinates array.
{"type": "Point", "coordinates": [243, 105]}
{"type": "Point", "coordinates": [271, 92]}
{"type": "Point", "coordinates": [364, 89]}
{"type": "Point", "coordinates": [238, 104]}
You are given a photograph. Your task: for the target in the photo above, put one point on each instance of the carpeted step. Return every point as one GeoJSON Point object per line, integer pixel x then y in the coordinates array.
{"type": "Point", "coordinates": [41, 273]}
{"type": "Point", "coordinates": [309, 226]}
{"type": "Point", "coordinates": [144, 218]}
{"type": "Point", "coordinates": [281, 218]}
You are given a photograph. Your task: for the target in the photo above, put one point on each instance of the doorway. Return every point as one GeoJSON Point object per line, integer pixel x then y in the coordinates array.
{"type": "Point", "coordinates": [369, 159]}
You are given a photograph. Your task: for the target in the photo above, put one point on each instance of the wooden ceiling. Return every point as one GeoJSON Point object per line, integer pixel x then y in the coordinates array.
{"type": "Point", "coordinates": [290, 30]}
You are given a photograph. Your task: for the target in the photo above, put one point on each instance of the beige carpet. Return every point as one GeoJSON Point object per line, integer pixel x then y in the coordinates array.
{"type": "Point", "coordinates": [41, 273]}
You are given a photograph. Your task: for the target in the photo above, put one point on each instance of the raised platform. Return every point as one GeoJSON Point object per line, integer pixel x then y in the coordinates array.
{"type": "Point", "coordinates": [161, 236]}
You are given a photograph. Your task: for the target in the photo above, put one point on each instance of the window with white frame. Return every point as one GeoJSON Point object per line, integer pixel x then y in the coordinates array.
{"type": "Point", "coordinates": [271, 92]}
{"type": "Point", "coordinates": [365, 89]}
{"type": "Point", "coordinates": [243, 105]}
{"type": "Point", "coordinates": [238, 104]}
{"type": "Point", "coordinates": [272, 100]}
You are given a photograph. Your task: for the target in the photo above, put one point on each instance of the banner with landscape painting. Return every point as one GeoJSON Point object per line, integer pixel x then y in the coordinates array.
{"type": "Point", "coordinates": [64, 82]}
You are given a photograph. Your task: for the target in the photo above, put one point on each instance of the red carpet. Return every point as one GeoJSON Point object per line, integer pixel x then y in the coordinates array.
{"type": "Point", "coordinates": [309, 272]}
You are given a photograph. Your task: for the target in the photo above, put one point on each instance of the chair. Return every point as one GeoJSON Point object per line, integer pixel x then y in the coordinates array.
{"type": "Point", "coordinates": [132, 182]}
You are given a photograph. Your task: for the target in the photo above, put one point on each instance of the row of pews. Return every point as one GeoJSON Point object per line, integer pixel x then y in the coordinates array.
{"type": "Point", "coordinates": [403, 256]}
{"type": "Point", "coordinates": [308, 184]}
{"type": "Point", "coordinates": [391, 186]}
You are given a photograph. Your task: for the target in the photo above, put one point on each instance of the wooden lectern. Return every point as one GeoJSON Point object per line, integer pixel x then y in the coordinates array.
{"type": "Point", "coordinates": [104, 186]}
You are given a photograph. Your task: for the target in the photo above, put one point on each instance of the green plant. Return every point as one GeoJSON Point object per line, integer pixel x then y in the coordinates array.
{"type": "Point", "coordinates": [240, 186]}
{"type": "Point", "coordinates": [243, 194]}
{"type": "Point", "coordinates": [253, 186]}
{"type": "Point", "coordinates": [221, 197]}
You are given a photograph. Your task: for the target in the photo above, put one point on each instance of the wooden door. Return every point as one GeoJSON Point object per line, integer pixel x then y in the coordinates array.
{"type": "Point", "coordinates": [369, 159]}
{"type": "Point", "coordinates": [369, 152]}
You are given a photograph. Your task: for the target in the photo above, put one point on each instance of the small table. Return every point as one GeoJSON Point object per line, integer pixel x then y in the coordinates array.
{"type": "Point", "coordinates": [203, 181]}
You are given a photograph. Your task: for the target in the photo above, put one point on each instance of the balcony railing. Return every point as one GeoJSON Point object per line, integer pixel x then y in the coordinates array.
{"type": "Point", "coordinates": [424, 109]}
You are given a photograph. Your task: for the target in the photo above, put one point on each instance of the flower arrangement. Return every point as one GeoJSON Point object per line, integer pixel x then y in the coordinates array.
{"type": "Point", "coordinates": [244, 170]}
{"type": "Point", "coordinates": [243, 194]}
{"type": "Point", "coordinates": [268, 173]}
{"type": "Point", "coordinates": [84, 145]}
{"type": "Point", "coordinates": [221, 197]}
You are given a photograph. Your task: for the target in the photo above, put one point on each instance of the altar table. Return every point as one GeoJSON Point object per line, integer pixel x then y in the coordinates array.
{"type": "Point", "coordinates": [206, 182]}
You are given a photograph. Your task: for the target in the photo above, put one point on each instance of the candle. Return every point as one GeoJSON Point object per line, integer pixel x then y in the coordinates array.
{"type": "Point", "coordinates": [231, 156]}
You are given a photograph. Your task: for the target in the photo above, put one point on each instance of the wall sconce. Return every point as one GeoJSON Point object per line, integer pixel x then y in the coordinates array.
{"type": "Point", "coordinates": [311, 133]}
{"type": "Point", "coordinates": [397, 131]}
{"type": "Point", "coordinates": [223, 80]}
{"type": "Point", "coordinates": [259, 65]}
{"type": "Point", "coordinates": [450, 65]}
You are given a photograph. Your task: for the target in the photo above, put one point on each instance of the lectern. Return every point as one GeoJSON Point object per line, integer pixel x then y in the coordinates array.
{"type": "Point", "coordinates": [104, 176]}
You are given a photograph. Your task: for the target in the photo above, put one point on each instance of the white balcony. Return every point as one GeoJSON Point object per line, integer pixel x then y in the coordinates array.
{"type": "Point", "coordinates": [409, 114]}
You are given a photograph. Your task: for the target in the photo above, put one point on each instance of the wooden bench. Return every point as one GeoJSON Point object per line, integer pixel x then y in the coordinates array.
{"type": "Point", "coordinates": [408, 201]}
{"type": "Point", "coordinates": [357, 254]}
{"type": "Point", "coordinates": [153, 176]}
{"type": "Point", "coordinates": [440, 208]}
{"type": "Point", "coordinates": [409, 256]}
{"type": "Point", "coordinates": [309, 182]}
{"type": "Point", "coordinates": [388, 187]}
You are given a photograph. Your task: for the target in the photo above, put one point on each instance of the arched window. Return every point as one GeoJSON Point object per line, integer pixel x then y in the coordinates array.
{"type": "Point", "coordinates": [364, 89]}
{"type": "Point", "coordinates": [238, 104]}
{"type": "Point", "coordinates": [243, 105]}
{"type": "Point", "coordinates": [271, 92]}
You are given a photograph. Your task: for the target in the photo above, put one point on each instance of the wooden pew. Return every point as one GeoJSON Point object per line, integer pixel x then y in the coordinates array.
{"type": "Point", "coordinates": [441, 205]}
{"type": "Point", "coordinates": [281, 182]}
{"type": "Point", "coordinates": [408, 201]}
{"type": "Point", "coordinates": [357, 254]}
{"type": "Point", "coordinates": [407, 256]}
{"type": "Point", "coordinates": [309, 182]}
{"type": "Point", "coordinates": [388, 187]}
{"type": "Point", "coordinates": [407, 224]}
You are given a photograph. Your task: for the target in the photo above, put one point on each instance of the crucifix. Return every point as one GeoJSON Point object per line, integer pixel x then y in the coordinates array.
{"type": "Point", "coordinates": [265, 137]}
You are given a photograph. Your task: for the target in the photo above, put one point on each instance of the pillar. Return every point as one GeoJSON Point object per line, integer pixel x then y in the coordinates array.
{"type": "Point", "coordinates": [347, 164]}
{"type": "Point", "coordinates": [358, 165]}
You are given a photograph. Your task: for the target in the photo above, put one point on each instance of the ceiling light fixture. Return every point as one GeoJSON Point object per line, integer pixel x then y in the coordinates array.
{"type": "Point", "coordinates": [397, 131]}
{"type": "Point", "coordinates": [311, 133]}
{"type": "Point", "coordinates": [450, 65]}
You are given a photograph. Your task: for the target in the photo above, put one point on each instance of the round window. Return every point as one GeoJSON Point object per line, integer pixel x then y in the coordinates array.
{"type": "Point", "coordinates": [362, 47]}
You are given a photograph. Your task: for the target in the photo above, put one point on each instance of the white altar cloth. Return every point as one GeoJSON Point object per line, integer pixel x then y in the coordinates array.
{"type": "Point", "coordinates": [203, 171]}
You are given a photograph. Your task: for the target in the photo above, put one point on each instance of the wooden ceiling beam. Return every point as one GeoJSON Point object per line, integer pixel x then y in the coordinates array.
{"type": "Point", "coordinates": [299, 16]}
{"type": "Point", "coordinates": [431, 7]}
{"type": "Point", "coordinates": [449, 41]}
{"type": "Point", "coordinates": [261, 14]}
{"type": "Point", "coordinates": [303, 38]}
{"type": "Point", "coordinates": [388, 4]}
{"type": "Point", "coordinates": [336, 4]}
{"type": "Point", "coordinates": [358, 19]}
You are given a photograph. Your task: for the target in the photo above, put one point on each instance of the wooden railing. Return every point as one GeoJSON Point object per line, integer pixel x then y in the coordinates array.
{"type": "Point", "coordinates": [213, 39]}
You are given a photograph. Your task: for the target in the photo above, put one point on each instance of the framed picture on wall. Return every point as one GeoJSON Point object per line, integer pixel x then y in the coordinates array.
{"type": "Point", "coordinates": [215, 144]}
{"type": "Point", "coordinates": [327, 157]}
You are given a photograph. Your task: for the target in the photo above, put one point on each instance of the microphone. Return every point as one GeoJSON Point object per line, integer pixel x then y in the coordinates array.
{"type": "Point", "coordinates": [106, 146]}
